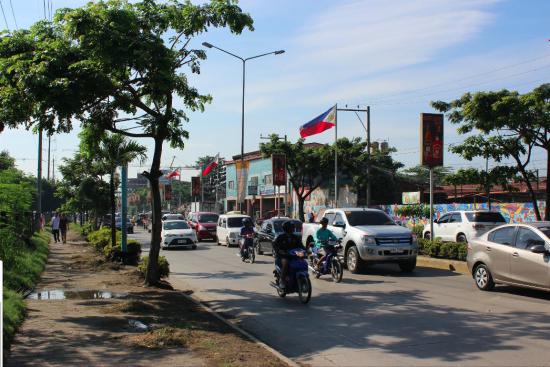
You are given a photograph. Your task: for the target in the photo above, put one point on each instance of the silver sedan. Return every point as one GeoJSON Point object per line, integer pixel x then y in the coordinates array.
{"type": "Point", "coordinates": [513, 254]}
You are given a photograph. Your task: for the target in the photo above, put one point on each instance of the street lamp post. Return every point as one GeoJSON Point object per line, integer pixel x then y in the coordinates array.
{"type": "Point", "coordinates": [244, 60]}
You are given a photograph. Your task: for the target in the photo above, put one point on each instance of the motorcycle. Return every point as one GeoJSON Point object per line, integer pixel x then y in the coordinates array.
{"type": "Point", "coordinates": [331, 264]}
{"type": "Point", "coordinates": [298, 276]}
{"type": "Point", "coordinates": [247, 252]}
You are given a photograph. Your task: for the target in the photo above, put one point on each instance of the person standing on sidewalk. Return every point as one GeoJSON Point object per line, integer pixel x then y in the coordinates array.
{"type": "Point", "coordinates": [55, 227]}
{"type": "Point", "coordinates": [63, 225]}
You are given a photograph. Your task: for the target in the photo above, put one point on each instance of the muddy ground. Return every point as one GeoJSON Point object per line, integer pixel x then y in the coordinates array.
{"type": "Point", "coordinates": [97, 322]}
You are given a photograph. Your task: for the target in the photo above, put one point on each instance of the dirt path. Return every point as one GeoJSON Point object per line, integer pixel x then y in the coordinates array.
{"type": "Point", "coordinates": [90, 331]}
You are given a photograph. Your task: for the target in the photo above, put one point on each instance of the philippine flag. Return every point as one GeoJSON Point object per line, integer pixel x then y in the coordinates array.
{"type": "Point", "coordinates": [173, 174]}
{"type": "Point", "coordinates": [320, 123]}
{"type": "Point", "coordinates": [213, 164]}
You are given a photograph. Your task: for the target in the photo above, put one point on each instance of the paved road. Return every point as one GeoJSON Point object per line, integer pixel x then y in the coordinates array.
{"type": "Point", "coordinates": [382, 318]}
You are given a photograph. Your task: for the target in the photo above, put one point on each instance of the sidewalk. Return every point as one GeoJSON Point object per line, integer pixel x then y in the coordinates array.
{"type": "Point", "coordinates": [86, 329]}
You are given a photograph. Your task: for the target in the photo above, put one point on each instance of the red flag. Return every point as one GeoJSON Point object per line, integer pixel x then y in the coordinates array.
{"type": "Point", "coordinates": [174, 173]}
{"type": "Point", "coordinates": [209, 168]}
{"type": "Point", "coordinates": [324, 121]}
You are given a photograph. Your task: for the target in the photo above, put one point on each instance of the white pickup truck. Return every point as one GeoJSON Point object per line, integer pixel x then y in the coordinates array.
{"type": "Point", "coordinates": [369, 236]}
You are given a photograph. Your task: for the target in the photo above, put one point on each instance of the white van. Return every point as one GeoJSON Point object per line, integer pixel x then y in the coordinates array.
{"type": "Point", "coordinates": [229, 228]}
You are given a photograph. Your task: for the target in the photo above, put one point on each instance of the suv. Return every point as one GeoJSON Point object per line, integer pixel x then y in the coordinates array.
{"type": "Point", "coordinates": [204, 224]}
{"type": "Point", "coordinates": [462, 226]}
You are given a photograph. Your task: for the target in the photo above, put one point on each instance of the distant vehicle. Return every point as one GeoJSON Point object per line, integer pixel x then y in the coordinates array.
{"type": "Point", "coordinates": [369, 236]}
{"type": "Point", "coordinates": [229, 227]}
{"type": "Point", "coordinates": [204, 224]}
{"type": "Point", "coordinates": [177, 234]}
{"type": "Point", "coordinates": [173, 216]}
{"type": "Point", "coordinates": [270, 229]}
{"type": "Point", "coordinates": [129, 225]}
{"type": "Point", "coordinates": [513, 254]}
{"type": "Point", "coordinates": [462, 226]}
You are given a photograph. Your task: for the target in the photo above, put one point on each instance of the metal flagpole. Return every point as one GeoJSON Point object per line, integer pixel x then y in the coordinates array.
{"type": "Point", "coordinates": [202, 189]}
{"type": "Point", "coordinates": [368, 158]}
{"type": "Point", "coordinates": [217, 181]}
{"type": "Point", "coordinates": [431, 203]}
{"type": "Point", "coordinates": [335, 156]}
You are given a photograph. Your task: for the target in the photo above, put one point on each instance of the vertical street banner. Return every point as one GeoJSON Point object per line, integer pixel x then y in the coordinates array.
{"type": "Point", "coordinates": [195, 186]}
{"type": "Point", "coordinates": [278, 167]}
{"type": "Point", "coordinates": [431, 139]}
{"type": "Point", "coordinates": [168, 192]}
{"type": "Point", "coordinates": [242, 179]}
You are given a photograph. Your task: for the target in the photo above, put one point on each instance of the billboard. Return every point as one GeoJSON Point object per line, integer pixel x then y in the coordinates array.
{"type": "Point", "coordinates": [242, 179]}
{"type": "Point", "coordinates": [431, 139]}
{"type": "Point", "coordinates": [195, 186]}
{"type": "Point", "coordinates": [278, 162]}
{"type": "Point", "coordinates": [167, 192]}
{"type": "Point", "coordinates": [411, 197]}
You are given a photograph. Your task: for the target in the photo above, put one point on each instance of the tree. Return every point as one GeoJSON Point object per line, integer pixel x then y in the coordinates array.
{"type": "Point", "coordinates": [111, 151]}
{"type": "Point", "coordinates": [420, 176]}
{"type": "Point", "coordinates": [307, 166]}
{"type": "Point", "coordinates": [6, 161]}
{"type": "Point", "coordinates": [109, 63]}
{"type": "Point", "coordinates": [509, 125]}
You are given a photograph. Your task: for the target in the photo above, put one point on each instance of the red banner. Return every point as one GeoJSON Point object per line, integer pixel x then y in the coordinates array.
{"type": "Point", "coordinates": [431, 139]}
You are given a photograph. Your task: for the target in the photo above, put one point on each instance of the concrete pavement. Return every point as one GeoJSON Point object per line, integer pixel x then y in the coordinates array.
{"type": "Point", "coordinates": [382, 318]}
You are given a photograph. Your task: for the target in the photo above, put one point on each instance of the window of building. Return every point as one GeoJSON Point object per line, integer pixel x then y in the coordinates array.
{"type": "Point", "coordinates": [231, 185]}
{"type": "Point", "coordinates": [254, 181]}
{"type": "Point", "coordinates": [268, 180]}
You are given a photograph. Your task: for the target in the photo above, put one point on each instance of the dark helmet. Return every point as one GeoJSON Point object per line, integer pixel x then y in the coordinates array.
{"type": "Point", "coordinates": [247, 222]}
{"type": "Point", "coordinates": [324, 220]}
{"type": "Point", "coordinates": [288, 227]}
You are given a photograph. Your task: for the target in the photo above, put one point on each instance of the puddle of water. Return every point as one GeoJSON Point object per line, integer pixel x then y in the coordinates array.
{"type": "Point", "coordinates": [60, 294]}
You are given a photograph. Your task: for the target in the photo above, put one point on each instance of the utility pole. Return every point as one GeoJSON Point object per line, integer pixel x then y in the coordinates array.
{"type": "Point", "coordinates": [49, 145]}
{"type": "Point", "coordinates": [367, 130]}
{"type": "Point", "coordinates": [39, 176]}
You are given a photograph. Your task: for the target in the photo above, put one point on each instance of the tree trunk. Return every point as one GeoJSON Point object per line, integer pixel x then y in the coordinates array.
{"type": "Point", "coordinates": [301, 214]}
{"type": "Point", "coordinates": [152, 276]}
{"type": "Point", "coordinates": [531, 193]}
{"type": "Point", "coordinates": [547, 208]}
{"type": "Point", "coordinates": [113, 207]}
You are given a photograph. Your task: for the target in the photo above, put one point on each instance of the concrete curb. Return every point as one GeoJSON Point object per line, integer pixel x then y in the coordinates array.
{"type": "Point", "coordinates": [443, 264]}
{"type": "Point", "coordinates": [232, 325]}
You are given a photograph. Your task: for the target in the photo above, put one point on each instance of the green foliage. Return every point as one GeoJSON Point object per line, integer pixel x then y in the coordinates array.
{"type": "Point", "coordinates": [130, 257]}
{"type": "Point", "coordinates": [444, 250]}
{"type": "Point", "coordinates": [420, 175]}
{"type": "Point", "coordinates": [164, 266]}
{"type": "Point", "coordinates": [102, 238]}
{"type": "Point", "coordinates": [417, 230]}
{"type": "Point", "coordinates": [6, 161]}
{"type": "Point", "coordinates": [14, 313]}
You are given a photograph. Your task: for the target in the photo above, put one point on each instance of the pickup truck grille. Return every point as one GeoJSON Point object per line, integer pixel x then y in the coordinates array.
{"type": "Point", "coordinates": [393, 240]}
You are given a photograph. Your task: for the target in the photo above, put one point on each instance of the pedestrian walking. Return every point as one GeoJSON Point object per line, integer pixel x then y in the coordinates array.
{"type": "Point", "coordinates": [55, 227]}
{"type": "Point", "coordinates": [63, 225]}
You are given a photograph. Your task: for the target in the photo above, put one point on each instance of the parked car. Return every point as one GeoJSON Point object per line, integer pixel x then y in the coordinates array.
{"type": "Point", "coordinates": [462, 226]}
{"type": "Point", "coordinates": [270, 229]}
{"type": "Point", "coordinates": [204, 224]}
{"type": "Point", "coordinates": [228, 228]}
{"type": "Point", "coordinates": [177, 234]}
{"type": "Point", "coordinates": [513, 254]}
{"type": "Point", "coordinates": [369, 236]}
{"type": "Point", "coordinates": [129, 225]}
{"type": "Point", "coordinates": [173, 216]}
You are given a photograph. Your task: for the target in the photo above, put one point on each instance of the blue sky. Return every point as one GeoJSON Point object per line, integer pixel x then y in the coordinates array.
{"type": "Point", "coordinates": [395, 56]}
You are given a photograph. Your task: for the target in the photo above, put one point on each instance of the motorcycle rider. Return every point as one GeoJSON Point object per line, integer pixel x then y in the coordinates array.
{"type": "Point", "coordinates": [247, 229]}
{"type": "Point", "coordinates": [285, 242]}
{"type": "Point", "coordinates": [322, 236]}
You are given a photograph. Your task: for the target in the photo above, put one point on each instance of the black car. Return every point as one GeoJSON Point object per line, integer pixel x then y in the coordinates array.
{"type": "Point", "coordinates": [270, 229]}
{"type": "Point", "coordinates": [129, 225]}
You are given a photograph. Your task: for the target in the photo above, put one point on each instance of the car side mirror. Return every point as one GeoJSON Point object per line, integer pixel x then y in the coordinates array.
{"type": "Point", "coordinates": [339, 224]}
{"type": "Point", "coordinates": [538, 249]}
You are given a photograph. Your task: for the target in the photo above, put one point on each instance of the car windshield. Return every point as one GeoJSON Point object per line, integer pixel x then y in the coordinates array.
{"type": "Point", "coordinates": [175, 225]}
{"type": "Point", "coordinates": [208, 218]}
{"type": "Point", "coordinates": [278, 226]}
{"type": "Point", "coordinates": [235, 222]}
{"type": "Point", "coordinates": [368, 218]}
{"type": "Point", "coordinates": [486, 217]}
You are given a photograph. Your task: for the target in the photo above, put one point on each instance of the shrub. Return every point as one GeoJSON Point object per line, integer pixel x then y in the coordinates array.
{"type": "Point", "coordinates": [102, 238]}
{"type": "Point", "coordinates": [164, 267]}
{"type": "Point", "coordinates": [14, 312]}
{"type": "Point", "coordinates": [87, 228]}
{"type": "Point", "coordinates": [130, 257]}
{"type": "Point", "coordinates": [445, 250]}
{"type": "Point", "coordinates": [417, 230]}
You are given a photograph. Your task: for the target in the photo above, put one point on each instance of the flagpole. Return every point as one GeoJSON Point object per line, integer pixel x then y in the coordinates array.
{"type": "Point", "coordinates": [202, 189]}
{"type": "Point", "coordinates": [217, 181]}
{"type": "Point", "coordinates": [336, 156]}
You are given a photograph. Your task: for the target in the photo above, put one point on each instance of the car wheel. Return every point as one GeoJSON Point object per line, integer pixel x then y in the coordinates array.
{"type": "Point", "coordinates": [227, 241]}
{"type": "Point", "coordinates": [408, 266]}
{"type": "Point", "coordinates": [483, 278]}
{"type": "Point", "coordinates": [461, 238]}
{"type": "Point", "coordinates": [354, 261]}
{"type": "Point", "coordinates": [259, 249]}
{"type": "Point", "coordinates": [427, 236]}
{"type": "Point", "coordinates": [194, 247]}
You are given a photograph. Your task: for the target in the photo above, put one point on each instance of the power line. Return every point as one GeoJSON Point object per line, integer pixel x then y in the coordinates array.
{"type": "Point", "coordinates": [13, 14]}
{"type": "Point", "coordinates": [4, 15]}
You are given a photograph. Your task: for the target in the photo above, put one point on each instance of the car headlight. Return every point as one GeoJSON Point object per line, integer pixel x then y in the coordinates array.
{"type": "Point", "coordinates": [369, 240]}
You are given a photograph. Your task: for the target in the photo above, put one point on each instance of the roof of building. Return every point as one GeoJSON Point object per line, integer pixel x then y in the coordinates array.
{"type": "Point", "coordinates": [251, 156]}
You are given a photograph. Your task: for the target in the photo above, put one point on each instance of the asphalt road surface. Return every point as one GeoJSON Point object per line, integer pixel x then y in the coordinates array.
{"type": "Point", "coordinates": [380, 318]}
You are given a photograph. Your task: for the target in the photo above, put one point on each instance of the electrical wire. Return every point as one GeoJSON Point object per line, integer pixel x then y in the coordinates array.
{"type": "Point", "coordinates": [4, 15]}
{"type": "Point", "coordinates": [13, 14]}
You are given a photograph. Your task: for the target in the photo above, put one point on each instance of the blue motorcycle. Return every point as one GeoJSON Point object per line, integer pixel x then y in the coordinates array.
{"type": "Point", "coordinates": [332, 264]}
{"type": "Point", "coordinates": [298, 276]}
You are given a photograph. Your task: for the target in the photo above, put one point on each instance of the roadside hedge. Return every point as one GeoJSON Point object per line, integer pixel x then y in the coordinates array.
{"type": "Point", "coordinates": [164, 267]}
{"type": "Point", "coordinates": [443, 250]}
{"type": "Point", "coordinates": [23, 263]}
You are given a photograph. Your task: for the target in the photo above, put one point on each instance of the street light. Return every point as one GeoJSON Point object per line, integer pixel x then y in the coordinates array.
{"type": "Point", "coordinates": [244, 60]}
